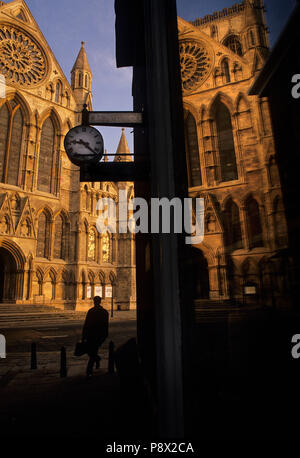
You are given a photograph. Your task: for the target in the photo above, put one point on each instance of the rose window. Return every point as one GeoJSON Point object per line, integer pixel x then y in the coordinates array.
{"type": "Point", "coordinates": [22, 61]}
{"type": "Point", "coordinates": [195, 62]}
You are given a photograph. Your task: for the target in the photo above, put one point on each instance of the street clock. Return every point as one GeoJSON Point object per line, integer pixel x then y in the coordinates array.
{"type": "Point", "coordinates": [84, 145]}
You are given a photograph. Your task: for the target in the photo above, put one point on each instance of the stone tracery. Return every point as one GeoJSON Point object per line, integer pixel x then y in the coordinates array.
{"type": "Point", "coordinates": [196, 64]}
{"type": "Point", "coordinates": [22, 61]}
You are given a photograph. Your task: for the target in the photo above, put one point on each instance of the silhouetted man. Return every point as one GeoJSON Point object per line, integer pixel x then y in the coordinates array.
{"type": "Point", "coordinates": [95, 331]}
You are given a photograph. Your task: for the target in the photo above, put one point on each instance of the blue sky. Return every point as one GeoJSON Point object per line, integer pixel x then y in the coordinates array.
{"type": "Point", "coordinates": [65, 23]}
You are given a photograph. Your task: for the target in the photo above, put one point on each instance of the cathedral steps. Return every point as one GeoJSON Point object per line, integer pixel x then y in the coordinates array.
{"type": "Point", "coordinates": [216, 311]}
{"type": "Point", "coordinates": [27, 308]}
{"type": "Point", "coordinates": [15, 315]}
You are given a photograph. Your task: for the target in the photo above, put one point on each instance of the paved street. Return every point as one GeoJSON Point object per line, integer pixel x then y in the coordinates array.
{"type": "Point", "coordinates": [40, 403]}
{"type": "Point", "coordinates": [50, 338]}
{"type": "Point", "coordinates": [23, 391]}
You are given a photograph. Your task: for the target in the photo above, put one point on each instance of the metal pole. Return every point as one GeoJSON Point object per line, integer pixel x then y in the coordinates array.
{"type": "Point", "coordinates": [166, 142]}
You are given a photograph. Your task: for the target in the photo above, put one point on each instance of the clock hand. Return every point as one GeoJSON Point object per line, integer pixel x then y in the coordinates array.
{"type": "Point", "coordinates": [88, 147]}
{"type": "Point", "coordinates": [86, 144]}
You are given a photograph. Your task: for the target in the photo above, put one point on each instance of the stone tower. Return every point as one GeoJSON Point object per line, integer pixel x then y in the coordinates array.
{"type": "Point", "coordinates": [123, 153]}
{"type": "Point", "coordinates": [126, 283]}
{"type": "Point", "coordinates": [231, 158]}
{"type": "Point", "coordinates": [81, 79]}
{"type": "Point", "coordinates": [50, 249]}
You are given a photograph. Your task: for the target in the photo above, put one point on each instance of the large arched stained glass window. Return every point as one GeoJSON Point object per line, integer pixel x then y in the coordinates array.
{"type": "Point", "coordinates": [193, 158]}
{"type": "Point", "coordinates": [4, 122]}
{"type": "Point", "coordinates": [92, 245]}
{"type": "Point", "coordinates": [232, 42]}
{"type": "Point", "coordinates": [226, 71]}
{"type": "Point", "coordinates": [47, 169]}
{"type": "Point", "coordinates": [59, 238]}
{"type": "Point", "coordinates": [225, 143]}
{"type": "Point", "coordinates": [11, 134]}
{"type": "Point", "coordinates": [105, 247]}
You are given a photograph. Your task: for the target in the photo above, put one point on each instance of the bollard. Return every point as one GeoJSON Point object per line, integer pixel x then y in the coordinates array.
{"type": "Point", "coordinates": [33, 364]}
{"type": "Point", "coordinates": [63, 362]}
{"type": "Point", "coordinates": [111, 358]}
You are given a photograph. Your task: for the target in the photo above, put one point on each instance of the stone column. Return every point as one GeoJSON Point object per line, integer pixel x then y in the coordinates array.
{"type": "Point", "coordinates": [19, 280]}
{"type": "Point", "coordinates": [50, 241]}
{"type": "Point", "coordinates": [78, 236]}
{"type": "Point", "coordinates": [245, 234]}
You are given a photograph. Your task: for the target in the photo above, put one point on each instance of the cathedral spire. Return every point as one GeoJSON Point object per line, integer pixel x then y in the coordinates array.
{"type": "Point", "coordinates": [256, 31]}
{"type": "Point", "coordinates": [81, 79]}
{"type": "Point", "coordinates": [82, 62]}
{"type": "Point", "coordinates": [123, 151]}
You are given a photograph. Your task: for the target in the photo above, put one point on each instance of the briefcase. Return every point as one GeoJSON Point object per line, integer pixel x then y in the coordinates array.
{"type": "Point", "coordinates": [80, 349]}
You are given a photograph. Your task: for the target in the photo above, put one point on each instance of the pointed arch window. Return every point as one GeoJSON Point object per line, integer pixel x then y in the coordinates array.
{"type": "Point", "coordinates": [58, 92]}
{"type": "Point", "coordinates": [43, 236]}
{"type": "Point", "coordinates": [251, 38]}
{"type": "Point", "coordinates": [85, 198]}
{"type": "Point", "coordinates": [71, 285]}
{"type": "Point", "coordinates": [233, 43]}
{"type": "Point", "coordinates": [86, 241]}
{"type": "Point", "coordinates": [233, 232]}
{"type": "Point", "coordinates": [255, 232]}
{"type": "Point", "coordinates": [59, 249]}
{"type": "Point", "coordinates": [39, 277]}
{"type": "Point", "coordinates": [262, 36]}
{"type": "Point", "coordinates": [11, 135]}
{"type": "Point", "coordinates": [192, 146]}
{"type": "Point", "coordinates": [83, 283]}
{"type": "Point", "coordinates": [280, 223]}
{"type": "Point", "coordinates": [80, 79]}
{"type": "Point", "coordinates": [47, 169]}
{"type": "Point", "coordinates": [92, 245]}
{"type": "Point", "coordinates": [225, 143]}
{"type": "Point", "coordinates": [86, 81]}
{"type": "Point", "coordinates": [106, 247]}
{"type": "Point", "coordinates": [65, 292]}
{"type": "Point", "coordinates": [226, 71]}
{"type": "Point", "coordinates": [53, 284]}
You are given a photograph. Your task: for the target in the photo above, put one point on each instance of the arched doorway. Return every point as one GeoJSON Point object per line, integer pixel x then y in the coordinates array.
{"type": "Point", "coordinates": [11, 272]}
{"type": "Point", "coordinates": [200, 275]}
{"type": "Point", "coordinates": [8, 271]}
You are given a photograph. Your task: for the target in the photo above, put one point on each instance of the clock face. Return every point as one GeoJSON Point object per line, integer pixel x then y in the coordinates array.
{"type": "Point", "coordinates": [84, 144]}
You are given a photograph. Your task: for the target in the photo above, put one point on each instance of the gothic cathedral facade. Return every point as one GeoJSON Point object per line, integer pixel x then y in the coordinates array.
{"type": "Point", "coordinates": [231, 159]}
{"type": "Point", "coordinates": [50, 250]}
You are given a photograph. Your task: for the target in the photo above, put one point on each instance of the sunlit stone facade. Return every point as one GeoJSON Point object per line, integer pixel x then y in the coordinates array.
{"type": "Point", "coordinates": [50, 250]}
{"type": "Point", "coordinates": [231, 159]}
